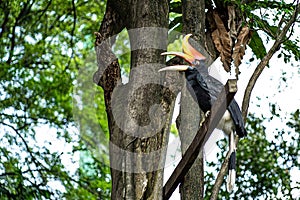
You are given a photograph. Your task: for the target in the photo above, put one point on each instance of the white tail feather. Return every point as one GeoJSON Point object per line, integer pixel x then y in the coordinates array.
{"type": "Point", "coordinates": [231, 180]}
{"type": "Point", "coordinates": [231, 166]}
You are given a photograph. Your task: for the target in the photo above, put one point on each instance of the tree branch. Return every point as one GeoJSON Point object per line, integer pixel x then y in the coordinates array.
{"type": "Point", "coordinates": [16, 130]}
{"type": "Point", "coordinates": [5, 21]}
{"type": "Point", "coordinates": [193, 21]}
{"type": "Point", "coordinates": [220, 178]}
{"type": "Point", "coordinates": [250, 86]}
{"type": "Point", "coordinates": [221, 174]}
{"type": "Point", "coordinates": [261, 66]}
{"type": "Point", "coordinates": [72, 34]}
{"type": "Point", "coordinates": [108, 76]}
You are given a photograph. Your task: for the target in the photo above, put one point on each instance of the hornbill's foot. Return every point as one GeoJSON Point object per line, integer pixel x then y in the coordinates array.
{"type": "Point", "coordinates": [207, 113]}
{"type": "Point", "coordinates": [205, 116]}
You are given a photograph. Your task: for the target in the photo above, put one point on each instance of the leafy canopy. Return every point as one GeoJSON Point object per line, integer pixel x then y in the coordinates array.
{"type": "Point", "coordinates": [43, 44]}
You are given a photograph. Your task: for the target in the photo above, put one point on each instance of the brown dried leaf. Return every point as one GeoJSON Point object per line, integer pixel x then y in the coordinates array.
{"type": "Point", "coordinates": [222, 41]}
{"type": "Point", "coordinates": [217, 41]}
{"type": "Point", "coordinates": [231, 22]}
{"type": "Point", "coordinates": [240, 46]}
{"type": "Point", "coordinates": [219, 22]}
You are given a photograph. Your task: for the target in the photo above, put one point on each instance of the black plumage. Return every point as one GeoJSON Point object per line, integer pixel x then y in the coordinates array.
{"type": "Point", "coordinates": [206, 89]}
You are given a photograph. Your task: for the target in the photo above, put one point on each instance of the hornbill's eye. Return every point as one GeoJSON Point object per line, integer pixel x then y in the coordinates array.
{"type": "Point", "coordinates": [196, 62]}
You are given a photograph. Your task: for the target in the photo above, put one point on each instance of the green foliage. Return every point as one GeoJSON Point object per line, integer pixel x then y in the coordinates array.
{"type": "Point", "coordinates": [175, 6]}
{"type": "Point", "coordinates": [268, 17]}
{"type": "Point", "coordinates": [90, 117]}
{"type": "Point", "coordinates": [122, 50]}
{"type": "Point", "coordinates": [257, 46]}
{"type": "Point", "coordinates": [174, 130]}
{"type": "Point", "coordinates": [175, 32]}
{"type": "Point", "coordinates": [43, 44]}
{"type": "Point", "coordinates": [175, 24]}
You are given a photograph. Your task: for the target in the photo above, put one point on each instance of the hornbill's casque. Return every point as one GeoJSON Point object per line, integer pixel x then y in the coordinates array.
{"type": "Point", "coordinates": [206, 90]}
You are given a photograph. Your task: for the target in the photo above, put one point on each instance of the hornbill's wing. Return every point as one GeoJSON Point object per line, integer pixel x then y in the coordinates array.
{"type": "Point", "coordinates": [233, 107]}
{"type": "Point", "coordinates": [237, 119]}
{"type": "Point", "coordinates": [215, 87]}
{"type": "Point", "coordinates": [198, 89]}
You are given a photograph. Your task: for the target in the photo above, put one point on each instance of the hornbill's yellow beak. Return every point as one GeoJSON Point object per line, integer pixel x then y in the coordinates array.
{"type": "Point", "coordinates": [189, 54]}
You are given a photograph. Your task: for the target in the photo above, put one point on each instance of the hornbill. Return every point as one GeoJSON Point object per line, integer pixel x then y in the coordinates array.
{"type": "Point", "coordinates": [206, 90]}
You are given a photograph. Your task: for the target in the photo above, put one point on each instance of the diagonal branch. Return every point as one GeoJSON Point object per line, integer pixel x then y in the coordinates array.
{"type": "Point", "coordinates": [263, 63]}
{"type": "Point", "coordinates": [28, 149]}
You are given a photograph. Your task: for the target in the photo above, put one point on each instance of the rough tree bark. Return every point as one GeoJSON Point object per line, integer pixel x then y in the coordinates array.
{"type": "Point", "coordinates": [188, 120]}
{"type": "Point", "coordinates": [138, 112]}
{"type": "Point", "coordinates": [193, 14]}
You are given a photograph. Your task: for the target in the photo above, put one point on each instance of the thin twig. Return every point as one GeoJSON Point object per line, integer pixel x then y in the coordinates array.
{"type": "Point", "coordinates": [72, 34]}
{"type": "Point", "coordinates": [220, 178]}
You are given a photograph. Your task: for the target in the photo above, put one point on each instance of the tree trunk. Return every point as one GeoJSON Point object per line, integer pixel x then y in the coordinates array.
{"type": "Point", "coordinates": [188, 125]}
{"type": "Point", "coordinates": [194, 18]}
{"type": "Point", "coordinates": [138, 112]}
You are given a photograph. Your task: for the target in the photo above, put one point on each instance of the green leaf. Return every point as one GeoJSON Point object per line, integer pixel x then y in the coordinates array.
{"type": "Point", "coordinates": [177, 20]}
{"type": "Point", "coordinates": [175, 34]}
{"type": "Point", "coordinates": [293, 48]}
{"type": "Point", "coordinates": [175, 7]}
{"type": "Point", "coordinates": [257, 46]}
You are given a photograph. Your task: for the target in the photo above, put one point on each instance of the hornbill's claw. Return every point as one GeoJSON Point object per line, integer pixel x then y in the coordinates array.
{"type": "Point", "coordinates": [205, 116]}
{"type": "Point", "coordinates": [207, 113]}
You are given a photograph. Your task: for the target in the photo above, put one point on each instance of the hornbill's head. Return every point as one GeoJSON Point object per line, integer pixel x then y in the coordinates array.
{"type": "Point", "coordinates": [189, 54]}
